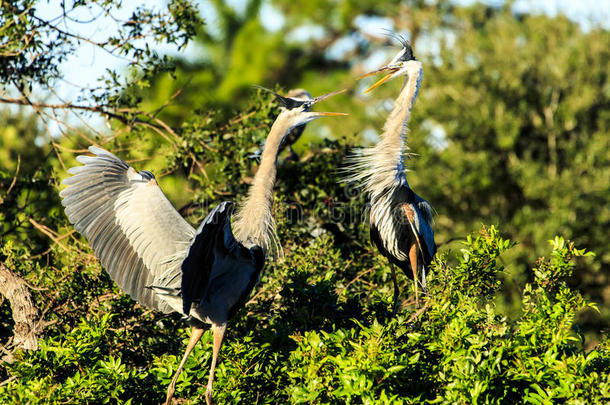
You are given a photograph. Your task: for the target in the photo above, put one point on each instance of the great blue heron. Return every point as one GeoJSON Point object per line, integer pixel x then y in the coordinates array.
{"type": "Point", "coordinates": [400, 220]}
{"type": "Point", "coordinates": [160, 260]}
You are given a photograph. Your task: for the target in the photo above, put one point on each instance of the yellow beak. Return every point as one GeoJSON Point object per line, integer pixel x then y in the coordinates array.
{"type": "Point", "coordinates": [324, 97]}
{"type": "Point", "coordinates": [329, 114]}
{"type": "Point", "coordinates": [382, 80]}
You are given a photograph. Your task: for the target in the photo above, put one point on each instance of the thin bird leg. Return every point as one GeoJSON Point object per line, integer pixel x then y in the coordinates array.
{"type": "Point", "coordinates": [413, 260]}
{"type": "Point", "coordinates": [219, 332]}
{"type": "Point", "coordinates": [396, 291]}
{"type": "Point", "coordinates": [196, 334]}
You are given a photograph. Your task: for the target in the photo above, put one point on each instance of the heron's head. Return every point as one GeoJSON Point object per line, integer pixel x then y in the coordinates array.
{"type": "Point", "coordinates": [403, 64]}
{"type": "Point", "coordinates": [299, 94]}
{"type": "Point", "coordinates": [297, 109]}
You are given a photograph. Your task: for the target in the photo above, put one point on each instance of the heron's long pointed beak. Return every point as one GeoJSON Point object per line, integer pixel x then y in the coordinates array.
{"type": "Point", "coordinates": [329, 114]}
{"type": "Point", "coordinates": [384, 79]}
{"type": "Point", "coordinates": [325, 96]}
{"type": "Point", "coordinates": [374, 72]}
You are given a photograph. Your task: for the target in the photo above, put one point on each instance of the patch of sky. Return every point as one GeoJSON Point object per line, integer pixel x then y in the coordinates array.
{"type": "Point", "coordinates": [305, 33]}
{"type": "Point", "coordinates": [369, 136]}
{"type": "Point", "coordinates": [437, 136]}
{"type": "Point", "coordinates": [341, 49]}
{"type": "Point", "coordinates": [429, 44]}
{"type": "Point", "coordinates": [372, 25]}
{"type": "Point", "coordinates": [587, 13]}
{"type": "Point", "coordinates": [238, 5]}
{"type": "Point", "coordinates": [271, 18]}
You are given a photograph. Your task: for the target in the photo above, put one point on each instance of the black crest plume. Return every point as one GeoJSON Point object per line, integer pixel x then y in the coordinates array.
{"type": "Point", "coordinates": [404, 42]}
{"type": "Point", "coordinates": [286, 102]}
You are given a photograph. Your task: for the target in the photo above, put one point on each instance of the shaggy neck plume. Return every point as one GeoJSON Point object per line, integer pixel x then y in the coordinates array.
{"type": "Point", "coordinates": [380, 168]}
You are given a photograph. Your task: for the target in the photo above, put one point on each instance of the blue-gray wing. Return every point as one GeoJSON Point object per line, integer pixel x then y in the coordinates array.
{"type": "Point", "coordinates": [219, 272]}
{"type": "Point", "coordinates": [139, 237]}
{"type": "Point", "coordinates": [199, 262]}
{"type": "Point", "coordinates": [425, 226]}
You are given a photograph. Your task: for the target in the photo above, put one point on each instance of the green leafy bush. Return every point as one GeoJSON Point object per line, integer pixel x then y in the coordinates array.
{"type": "Point", "coordinates": [301, 339]}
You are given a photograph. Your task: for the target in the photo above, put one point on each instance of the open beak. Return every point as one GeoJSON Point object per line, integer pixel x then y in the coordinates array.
{"type": "Point", "coordinates": [324, 97]}
{"type": "Point", "coordinates": [328, 114]}
{"type": "Point", "coordinates": [384, 79]}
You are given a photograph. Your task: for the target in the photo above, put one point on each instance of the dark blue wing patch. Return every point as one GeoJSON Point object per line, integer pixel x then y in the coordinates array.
{"type": "Point", "coordinates": [197, 266]}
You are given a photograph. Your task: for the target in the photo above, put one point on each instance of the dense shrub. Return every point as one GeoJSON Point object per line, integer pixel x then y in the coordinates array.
{"type": "Point", "coordinates": [302, 339]}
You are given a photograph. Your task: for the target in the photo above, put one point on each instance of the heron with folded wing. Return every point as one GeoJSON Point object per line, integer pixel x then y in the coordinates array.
{"type": "Point", "coordinates": [400, 220]}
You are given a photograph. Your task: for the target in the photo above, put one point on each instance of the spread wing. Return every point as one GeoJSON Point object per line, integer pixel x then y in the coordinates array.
{"type": "Point", "coordinates": [214, 255]}
{"type": "Point", "coordinates": [132, 227]}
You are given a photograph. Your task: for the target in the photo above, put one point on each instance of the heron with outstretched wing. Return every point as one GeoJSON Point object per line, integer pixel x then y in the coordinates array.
{"type": "Point", "coordinates": [160, 260]}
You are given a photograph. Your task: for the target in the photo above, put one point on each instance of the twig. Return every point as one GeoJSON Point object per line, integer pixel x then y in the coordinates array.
{"type": "Point", "coordinates": [418, 313]}
{"type": "Point", "coordinates": [49, 232]}
{"type": "Point", "coordinates": [10, 187]}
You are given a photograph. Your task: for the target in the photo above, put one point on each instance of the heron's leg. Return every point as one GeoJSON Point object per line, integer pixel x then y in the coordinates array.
{"type": "Point", "coordinates": [413, 261]}
{"type": "Point", "coordinates": [396, 291]}
{"type": "Point", "coordinates": [196, 334]}
{"type": "Point", "coordinates": [219, 332]}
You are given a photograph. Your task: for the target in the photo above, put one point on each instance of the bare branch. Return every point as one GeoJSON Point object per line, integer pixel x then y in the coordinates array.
{"type": "Point", "coordinates": [25, 315]}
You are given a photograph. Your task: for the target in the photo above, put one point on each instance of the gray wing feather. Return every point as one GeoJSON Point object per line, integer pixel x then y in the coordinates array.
{"type": "Point", "coordinates": [134, 230]}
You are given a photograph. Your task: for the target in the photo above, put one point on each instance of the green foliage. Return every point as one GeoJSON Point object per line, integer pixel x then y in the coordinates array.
{"type": "Point", "coordinates": [300, 340]}
{"type": "Point", "coordinates": [475, 274]}
{"type": "Point", "coordinates": [80, 365]}
{"type": "Point", "coordinates": [33, 48]}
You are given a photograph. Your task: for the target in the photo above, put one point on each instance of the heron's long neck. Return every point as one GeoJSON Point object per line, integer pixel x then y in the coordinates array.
{"type": "Point", "coordinates": [393, 136]}
{"type": "Point", "coordinates": [255, 224]}
{"type": "Point", "coordinates": [381, 167]}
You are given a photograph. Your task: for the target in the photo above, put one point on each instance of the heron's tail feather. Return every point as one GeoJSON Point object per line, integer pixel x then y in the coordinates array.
{"type": "Point", "coordinates": [424, 284]}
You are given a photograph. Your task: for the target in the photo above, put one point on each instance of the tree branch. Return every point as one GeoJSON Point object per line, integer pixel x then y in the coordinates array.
{"type": "Point", "coordinates": [25, 315]}
{"type": "Point", "coordinates": [96, 109]}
